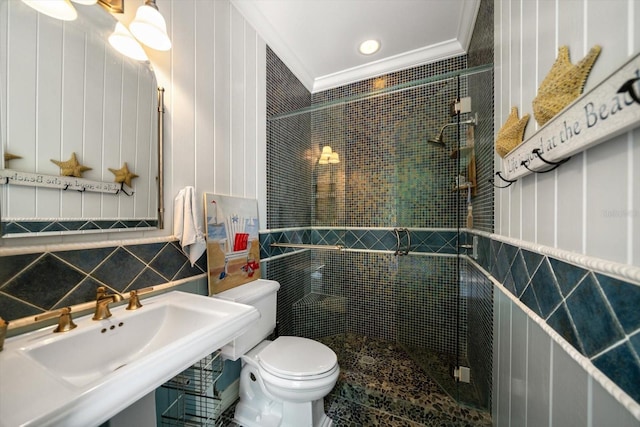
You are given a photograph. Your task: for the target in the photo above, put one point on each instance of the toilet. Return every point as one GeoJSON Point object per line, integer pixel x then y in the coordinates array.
{"type": "Point", "coordinates": [283, 382]}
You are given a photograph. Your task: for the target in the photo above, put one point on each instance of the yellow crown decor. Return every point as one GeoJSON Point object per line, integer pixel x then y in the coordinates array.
{"type": "Point", "coordinates": [71, 167]}
{"type": "Point", "coordinates": [564, 83]}
{"type": "Point", "coordinates": [511, 132]}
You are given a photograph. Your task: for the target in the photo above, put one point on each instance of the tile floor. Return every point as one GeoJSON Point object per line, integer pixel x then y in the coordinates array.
{"type": "Point", "coordinates": [380, 385]}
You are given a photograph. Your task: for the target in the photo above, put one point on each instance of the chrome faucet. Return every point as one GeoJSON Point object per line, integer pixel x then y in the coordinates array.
{"type": "Point", "coordinates": [103, 299]}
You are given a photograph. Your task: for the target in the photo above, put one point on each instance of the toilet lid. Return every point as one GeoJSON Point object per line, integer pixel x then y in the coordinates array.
{"type": "Point", "coordinates": [295, 357]}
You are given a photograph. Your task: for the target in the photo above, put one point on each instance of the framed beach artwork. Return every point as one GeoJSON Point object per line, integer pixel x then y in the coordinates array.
{"type": "Point", "coordinates": [233, 245]}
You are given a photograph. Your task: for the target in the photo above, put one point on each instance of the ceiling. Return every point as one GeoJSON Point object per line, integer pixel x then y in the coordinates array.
{"type": "Point", "coordinates": [318, 39]}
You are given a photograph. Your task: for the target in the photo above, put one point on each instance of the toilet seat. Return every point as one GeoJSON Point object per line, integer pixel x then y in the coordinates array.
{"type": "Point", "coordinates": [297, 358]}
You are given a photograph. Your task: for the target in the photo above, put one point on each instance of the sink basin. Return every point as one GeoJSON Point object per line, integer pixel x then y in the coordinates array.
{"type": "Point", "coordinates": [85, 376]}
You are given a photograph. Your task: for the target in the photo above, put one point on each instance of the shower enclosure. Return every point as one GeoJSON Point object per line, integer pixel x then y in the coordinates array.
{"type": "Point", "coordinates": [395, 206]}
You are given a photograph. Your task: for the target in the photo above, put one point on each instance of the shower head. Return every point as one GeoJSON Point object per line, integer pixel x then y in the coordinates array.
{"type": "Point", "coordinates": [438, 139]}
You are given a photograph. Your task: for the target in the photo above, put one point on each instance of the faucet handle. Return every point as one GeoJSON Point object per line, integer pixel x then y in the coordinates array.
{"type": "Point", "coordinates": [65, 322]}
{"type": "Point", "coordinates": [134, 301]}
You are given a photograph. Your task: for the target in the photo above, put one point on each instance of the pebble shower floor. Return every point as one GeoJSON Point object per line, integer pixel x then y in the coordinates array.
{"type": "Point", "coordinates": [380, 385]}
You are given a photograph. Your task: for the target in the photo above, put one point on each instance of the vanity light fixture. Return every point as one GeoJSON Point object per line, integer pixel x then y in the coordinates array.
{"type": "Point", "coordinates": [369, 47]}
{"type": "Point", "coordinates": [58, 9]}
{"type": "Point", "coordinates": [150, 27]}
{"type": "Point", "coordinates": [122, 41]}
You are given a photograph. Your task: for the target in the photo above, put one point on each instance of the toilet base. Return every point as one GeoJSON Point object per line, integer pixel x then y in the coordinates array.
{"type": "Point", "coordinates": [309, 414]}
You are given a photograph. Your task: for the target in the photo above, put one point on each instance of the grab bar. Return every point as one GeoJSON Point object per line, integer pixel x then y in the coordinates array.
{"type": "Point", "coordinates": [307, 246]}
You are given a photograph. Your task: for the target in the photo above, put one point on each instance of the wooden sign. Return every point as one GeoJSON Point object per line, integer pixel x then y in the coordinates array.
{"type": "Point", "coordinates": [609, 109]}
{"type": "Point", "coordinates": [12, 177]}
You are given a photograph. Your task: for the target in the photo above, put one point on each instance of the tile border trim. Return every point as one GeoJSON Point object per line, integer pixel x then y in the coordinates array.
{"type": "Point", "coordinates": [620, 395]}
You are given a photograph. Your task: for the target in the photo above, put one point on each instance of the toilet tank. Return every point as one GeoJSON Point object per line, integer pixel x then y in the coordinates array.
{"type": "Point", "coordinates": [261, 294]}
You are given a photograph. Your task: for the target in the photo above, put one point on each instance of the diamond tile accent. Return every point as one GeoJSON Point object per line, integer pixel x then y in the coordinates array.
{"type": "Point", "coordinates": [44, 283]}
{"type": "Point", "coordinates": [622, 367]}
{"type": "Point", "coordinates": [594, 322]}
{"type": "Point", "coordinates": [546, 289]}
{"type": "Point", "coordinates": [118, 270]}
{"type": "Point", "coordinates": [624, 299]}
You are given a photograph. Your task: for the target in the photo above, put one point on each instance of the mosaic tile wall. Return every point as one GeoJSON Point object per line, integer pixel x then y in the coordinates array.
{"type": "Point", "coordinates": [289, 166]}
{"type": "Point", "coordinates": [33, 283]}
{"type": "Point", "coordinates": [388, 176]}
{"type": "Point", "coordinates": [597, 314]}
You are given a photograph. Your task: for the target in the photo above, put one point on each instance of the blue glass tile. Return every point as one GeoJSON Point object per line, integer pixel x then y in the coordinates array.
{"type": "Point", "coordinates": [105, 225]}
{"type": "Point", "coordinates": [532, 260]}
{"type": "Point", "coordinates": [85, 291]}
{"type": "Point", "coordinates": [509, 251]}
{"type": "Point", "coordinates": [34, 226]}
{"type": "Point", "coordinates": [146, 252]}
{"type": "Point", "coordinates": [168, 262]}
{"type": "Point", "coordinates": [435, 241]}
{"type": "Point", "coordinates": [519, 273]}
{"type": "Point", "coordinates": [509, 283]}
{"type": "Point", "coordinates": [568, 275]}
{"type": "Point", "coordinates": [351, 240]}
{"type": "Point", "coordinates": [388, 240]}
{"type": "Point", "coordinates": [12, 308]}
{"type": "Point", "coordinates": [624, 299]}
{"type": "Point", "coordinates": [73, 225]}
{"type": "Point", "coordinates": [592, 318]}
{"type": "Point", "coordinates": [12, 265]}
{"type": "Point", "coordinates": [635, 342]}
{"type": "Point", "coordinates": [13, 228]}
{"type": "Point", "coordinates": [89, 225]}
{"type": "Point", "coordinates": [528, 297]}
{"type": "Point", "coordinates": [546, 289]}
{"type": "Point", "coordinates": [147, 278]}
{"type": "Point", "coordinates": [44, 282]}
{"type": "Point", "coordinates": [87, 259]}
{"type": "Point", "coordinates": [54, 226]}
{"type": "Point", "coordinates": [483, 252]}
{"type": "Point", "coordinates": [621, 366]}
{"type": "Point", "coordinates": [561, 323]}
{"type": "Point", "coordinates": [119, 269]}
{"type": "Point", "coordinates": [503, 264]}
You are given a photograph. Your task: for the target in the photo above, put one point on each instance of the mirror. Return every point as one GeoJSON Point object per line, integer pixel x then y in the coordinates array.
{"type": "Point", "coordinates": [68, 100]}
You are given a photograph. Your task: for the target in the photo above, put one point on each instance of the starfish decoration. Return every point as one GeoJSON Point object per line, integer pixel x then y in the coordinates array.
{"type": "Point", "coordinates": [9, 156]}
{"type": "Point", "coordinates": [71, 167]}
{"type": "Point", "coordinates": [123, 175]}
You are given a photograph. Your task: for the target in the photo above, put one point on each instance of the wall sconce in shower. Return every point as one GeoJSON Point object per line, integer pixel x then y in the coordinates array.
{"type": "Point", "coordinates": [473, 121]}
{"type": "Point", "coordinates": [58, 9]}
{"type": "Point", "coordinates": [328, 156]}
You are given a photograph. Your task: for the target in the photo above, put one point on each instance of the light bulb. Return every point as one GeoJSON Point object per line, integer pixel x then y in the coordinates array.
{"type": "Point", "coordinates": [150, 28]}
{"type": "Point", "coordinates": [122, 41]}
{"type": "Point", "coordinates": [58, 9]}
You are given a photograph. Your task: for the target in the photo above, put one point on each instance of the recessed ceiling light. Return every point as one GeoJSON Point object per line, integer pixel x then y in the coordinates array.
{"type": "Point", "coordinates": [369, 47]}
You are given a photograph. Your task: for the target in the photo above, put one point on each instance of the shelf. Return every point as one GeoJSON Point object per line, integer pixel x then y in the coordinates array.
{"type": "Point", "coordinates": [609, 109]}
{"type": "Point", "coordinates": [81, 185]}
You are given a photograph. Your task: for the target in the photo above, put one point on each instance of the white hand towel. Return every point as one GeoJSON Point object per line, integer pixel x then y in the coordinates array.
{"type": "Point", "coordinates": [186, 225]}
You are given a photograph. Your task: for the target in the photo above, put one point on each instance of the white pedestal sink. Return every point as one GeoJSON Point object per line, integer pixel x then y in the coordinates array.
{"type": "Point", "coordinates": [85, 376]}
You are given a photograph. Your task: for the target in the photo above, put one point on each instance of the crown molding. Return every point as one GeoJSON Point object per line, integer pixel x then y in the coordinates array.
{"type": "Point", "coordinates": [399, 62]}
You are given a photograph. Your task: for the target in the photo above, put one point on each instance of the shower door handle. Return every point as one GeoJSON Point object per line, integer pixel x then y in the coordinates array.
{"type": "Point", "coordinates": [400, 251]}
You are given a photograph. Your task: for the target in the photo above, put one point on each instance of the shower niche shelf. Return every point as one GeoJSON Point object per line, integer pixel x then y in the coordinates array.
{"type": "Point", "coordinates": [466, 155]}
